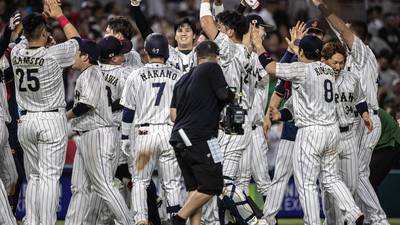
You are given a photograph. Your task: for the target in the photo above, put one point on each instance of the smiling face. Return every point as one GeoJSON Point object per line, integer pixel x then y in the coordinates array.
{"type": "Point", "coordinates": [337, 62]}
{"type": "Point", "coordinates": [184, 35]}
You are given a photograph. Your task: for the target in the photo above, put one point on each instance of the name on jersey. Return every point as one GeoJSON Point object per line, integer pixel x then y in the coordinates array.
{"type": "Point", "coordinates": [344, 97]}
{"type": "Point", "coordinates": [110, 79]}
{"type": "Point", "coordinates": [324, 71]}
{"type": "Point", "coordinates": [158, 73]}
{"type": "Point", "coordinates": [28, 61]}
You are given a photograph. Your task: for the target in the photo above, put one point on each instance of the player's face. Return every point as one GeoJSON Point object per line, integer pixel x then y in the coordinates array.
{"type": "Point", "coordinates": [184, 35]}
{"type": "Point", "coordinates": [110, 32]}
{"type": "Point", "coordinates": [79, 59]}
{"type": "Point", "coordinates": [337, 62]}
{"type": "Point", "coordinates": [118, 59]}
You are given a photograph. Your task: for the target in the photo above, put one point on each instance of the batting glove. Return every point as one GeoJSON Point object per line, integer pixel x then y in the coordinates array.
{"type": "Point", "coordinates": [252, 3]}
{"type": "Point", "coordinates": [135, 2]}
{"type": "Point", "coordinates": [125, 144]}
{"type": "Point", "coordinates": [14, 21]}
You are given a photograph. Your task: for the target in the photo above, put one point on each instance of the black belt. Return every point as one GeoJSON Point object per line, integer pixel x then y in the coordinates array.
{"type": "Point", "coordinates": [81, 132]}
{"type": "Point", "coordinates": [148, 124]}
{"type": "Point", "coordinates": [24, 112]}
{"type": "Point", "coordinates": [375, 112]}
{"type": "Point", "coordinates": [344, 129]}
{"type": "Point", "coordinates": [143, 125]}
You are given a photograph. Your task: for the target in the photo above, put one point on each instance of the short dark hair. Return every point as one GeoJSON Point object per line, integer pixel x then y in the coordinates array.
{"type": "Point", "coordinates": [235, 21]}
{"type": "Point", "coordinates": [332, 48]}
{"type": "Point", "coordinates": [91, 60]}
{"type": "Point", "coordinates": [207, 49]}
{"type": "Point", "coordinates": [186, 20]}
{"type": "Point", "coordinates": [33, 24]}
{"type": "Point", "coordinates": [120, 24]}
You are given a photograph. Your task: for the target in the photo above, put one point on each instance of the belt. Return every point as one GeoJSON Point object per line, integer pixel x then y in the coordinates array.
{"type": "Point", "coordinates": [24, 112]}
{"type": "Point", "coordinates": [345, 129]}
{"type": "Point", "coordinates": [375, 112]}
{"type": "Point", "coordinates": [148, 124]}
{"type": "Point", "coordinates": [81, 132]}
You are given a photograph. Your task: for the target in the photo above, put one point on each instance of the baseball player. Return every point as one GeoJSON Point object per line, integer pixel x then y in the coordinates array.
{"type": "Point", "coordinates": [147, 95]}
{"type": "Point", "coordinates": [92, 120]}
{"type": "Point", "coordinates": [42, 130]}
{"type": "Point", "coordinates": [284, 163]}
{"type": "Point", "coordinates": [363, 63]}
{"type": "Point", "coordinates": [234, 59]}
{"type": "Point", "coordinates": [181, 57]}
{"type": "Point", "coordinates": [315, 115]}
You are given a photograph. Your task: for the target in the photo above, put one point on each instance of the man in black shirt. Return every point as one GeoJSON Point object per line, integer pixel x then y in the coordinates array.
{"type": "Point", "coordinates": [197, 101]}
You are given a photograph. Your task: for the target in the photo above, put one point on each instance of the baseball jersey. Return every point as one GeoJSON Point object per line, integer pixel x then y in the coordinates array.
{"type": "Point", "coordinates": [91, 90]}
{"type": "Point", "coordinates": [4, 114]}
{"type": "Point", "coordinates": [235, 60]}
{"type": "Point", "coordinates": [133, 59]}
{"type": "Point", "coordinates": [313, 92]}
{"type": "Point", "coordinates": [115, 77]}
{"type": "Point", "coordinates": [148, 91]}
{"type": "Point", "coordinates": [38, 74]}
{"type": "Point", "coordinates": [181, 61]}
{"type": "Point", "coordinates": [348, 96]}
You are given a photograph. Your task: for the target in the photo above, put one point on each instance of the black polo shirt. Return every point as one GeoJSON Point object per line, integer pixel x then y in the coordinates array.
{"type": "Point", "coordinates": [197, 105]}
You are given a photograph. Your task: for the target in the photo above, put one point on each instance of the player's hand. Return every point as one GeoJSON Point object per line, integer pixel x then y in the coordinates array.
{"type": "Point", "coordinates": [247, 38]}
{"type": "Point", "coordinates": [274, 114]}
{"type": "Point", "coordinates": [256, 37]}
{"type": "Point", "coordinates": [53, 9]}
{"type": "Point", "coordinates": [317, 2]}
{"type": "Point", "coordinates": [368, 123]}
{"type": "Point", "coordinates": [251, 3]}
{"type": "Point", "coordinates": [298, 31]}
{"type": "Point", "coordinates": [125, 144]}
{"type": "Point", "coordinates": [15, 20]}
{"type": "Point", "coordinates": [135, 3]}
{"type": "Point", "coordinates": [266, 125]}
{"type": "Point", "coordinates": [292, 47]}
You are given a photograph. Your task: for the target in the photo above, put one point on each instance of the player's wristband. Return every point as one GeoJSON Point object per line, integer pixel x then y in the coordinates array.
{"type": "Point", "coordinates": [205, 9]}
{"type": "Point", "coordinates": [324, 10]}
{"type": "Point", "coordinates": [63, 21]}
{"type": "Point", "coordinates": [218, 9]}
{"type": "Point", "coordinates": [286, 115]}
{"type": "Point", "coordinates": [265, 59]}
{"type": "Point", "coordinates": [362, 107]}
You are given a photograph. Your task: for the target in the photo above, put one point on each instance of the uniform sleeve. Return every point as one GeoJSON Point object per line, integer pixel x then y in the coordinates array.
{"type": "Point", "coordinates": [358, 92]}
{"type": "Point", "coordinates": [90, 93]}
{"type": "Point", "coordinates": [295, 72]}
{"type": "Point", "coordinates": [360, 53]}
{"type": "Point", "coordinates": [122, 80]}
{"type": "Point", "coordinates": [64, 53]}
{"type": "Point", "coordinates": [133, 59]}
{"type": "Point", "coordinates": [128, 97]}
{"type": "Point", "coordinates": [225, 48]}
{"type": "Point", "coordinates": [259, 72]}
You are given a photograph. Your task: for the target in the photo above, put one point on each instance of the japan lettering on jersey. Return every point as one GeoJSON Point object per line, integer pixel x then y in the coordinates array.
{"type": "Point", "coordinates": [148, 91]}
{"type": "Point", "coordinates": [38, 74]}
{"type": "Point", "coordinates": [348, 96]}
{"type": "Point", "coordinates": [91, 90]}
{"type": "Point", "coordinates": [313, 92]}
{"type": "Point", "coordinates": [115, 77]}
{"type": "Point", "coordinates": [181, 61]}
{"type": "Point", "coordinates": [4, 114]}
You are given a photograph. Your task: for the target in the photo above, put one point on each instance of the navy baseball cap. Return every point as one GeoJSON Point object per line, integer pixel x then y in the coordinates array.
{"type": "Point", "coordinates": [311, 45]}
{"type": "Point", "coordinates": [314, 25]}
{"type": "Point", "coordinates": [110, 46]}
{"type": "Point", "coordinates": [91, 48]}
{"type": "Point", "coordinates": [258, 21]}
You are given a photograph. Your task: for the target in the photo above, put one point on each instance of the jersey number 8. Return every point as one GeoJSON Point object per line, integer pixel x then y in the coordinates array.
{"type": "Point", "coordinates": [328, 91]}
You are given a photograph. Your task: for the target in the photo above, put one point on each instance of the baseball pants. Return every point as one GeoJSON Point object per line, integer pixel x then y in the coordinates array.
{"type": "Point", "coordinates": [282, 174]}
{"type": "Point", "coordinates": [254, 163]}
{"type": "Point", "coordinates": [315, 154]}
{"type": "Point", "coordinates": [366, 196]}
{"type": "Point", "coordinates": [8, 170]}
{"type": "Point", "coordinates": [348, 171]}
{"type": "Point", "coordinates": [6, 214]}
{"type": "Point", "coordinates": [43, 137]}
{"type": "Point", "coordinates": [152, 149]}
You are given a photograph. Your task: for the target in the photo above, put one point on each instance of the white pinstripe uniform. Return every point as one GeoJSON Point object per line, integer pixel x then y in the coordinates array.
{"type": "Point", "coordinates": [148, 91]}
{"type": "Point", "coordinates": [315, 146]}
{"type": "Point", "coordinates": [181, 61]}
{"type": "Point", "coordinates": [42, 131]}
{"type": "Point", "coordinates": [6, 215]}
{"type": "Point", "coordinates": [115, 77]}
{"type": "Point", "coordinates": [97, 145]}
{"type": "Point", "coordinates": [133, 59]}
{"type": "Point", "coordinates": [349, 95]}
{"type": "Point", "coordinates": [254, 160]}
{"type": "Point", "coordinates": [8, 171]}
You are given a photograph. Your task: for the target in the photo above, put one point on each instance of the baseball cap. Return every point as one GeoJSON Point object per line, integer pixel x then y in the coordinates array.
{"type": "Point", "coordinates": [311, 45]}
{"type": "Point", "coordinates": [91, 48]}
{"type": "Point", "coordinates": [258, 21]}
{"type": "Point", "coordinates": [315, 25]}
{"type": "Point", "coordinates": [110, 46]}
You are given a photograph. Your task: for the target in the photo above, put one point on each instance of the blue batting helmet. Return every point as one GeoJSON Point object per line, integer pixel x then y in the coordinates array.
{"type": "Point", "coordinates": [156, 44]}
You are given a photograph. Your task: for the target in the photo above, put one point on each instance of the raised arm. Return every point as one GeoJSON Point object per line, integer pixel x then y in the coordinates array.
{"type": "Point", "coordinates": [338, 24]}
{"type": "Point", "coordinates": [53, 10]}
{"type": "Point", "coordinates": [141, 20]}
{"type": "Point", "coordinates": [207, 21]}
{"type": "Point", "coordinates": [11, 26]}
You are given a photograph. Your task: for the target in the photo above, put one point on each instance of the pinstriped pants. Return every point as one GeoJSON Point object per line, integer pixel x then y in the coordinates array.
{"type": "Point", "coordinates": [6, 215]}
{"type": "Point", "coordinates": [43, 137]}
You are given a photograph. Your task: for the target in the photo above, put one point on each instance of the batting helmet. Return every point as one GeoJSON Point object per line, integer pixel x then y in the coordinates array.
{"type": "Point", "coordinates": [157, 45]}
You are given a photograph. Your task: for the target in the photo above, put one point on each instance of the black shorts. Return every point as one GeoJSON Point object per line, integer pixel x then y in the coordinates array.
{"type": "Point", "coordinates": [199, 170]}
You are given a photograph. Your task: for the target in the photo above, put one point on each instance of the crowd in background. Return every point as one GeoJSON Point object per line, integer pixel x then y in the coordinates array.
{"type": "Point", "coordinates": [382, 18]}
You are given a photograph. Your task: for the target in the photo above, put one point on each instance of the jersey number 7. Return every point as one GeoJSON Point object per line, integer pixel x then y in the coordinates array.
{"type": "Point", "coordinates": [160, 92]}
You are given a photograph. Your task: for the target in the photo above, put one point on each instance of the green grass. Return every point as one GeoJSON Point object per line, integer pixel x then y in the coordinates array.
{"type": "Point", "coordinates": [286, 222]}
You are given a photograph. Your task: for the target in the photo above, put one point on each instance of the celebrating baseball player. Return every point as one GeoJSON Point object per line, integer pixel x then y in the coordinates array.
{"type": "Point", "coordinates": [147, 96]}
{"type": "Point", "coordinates": [363, 63]}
